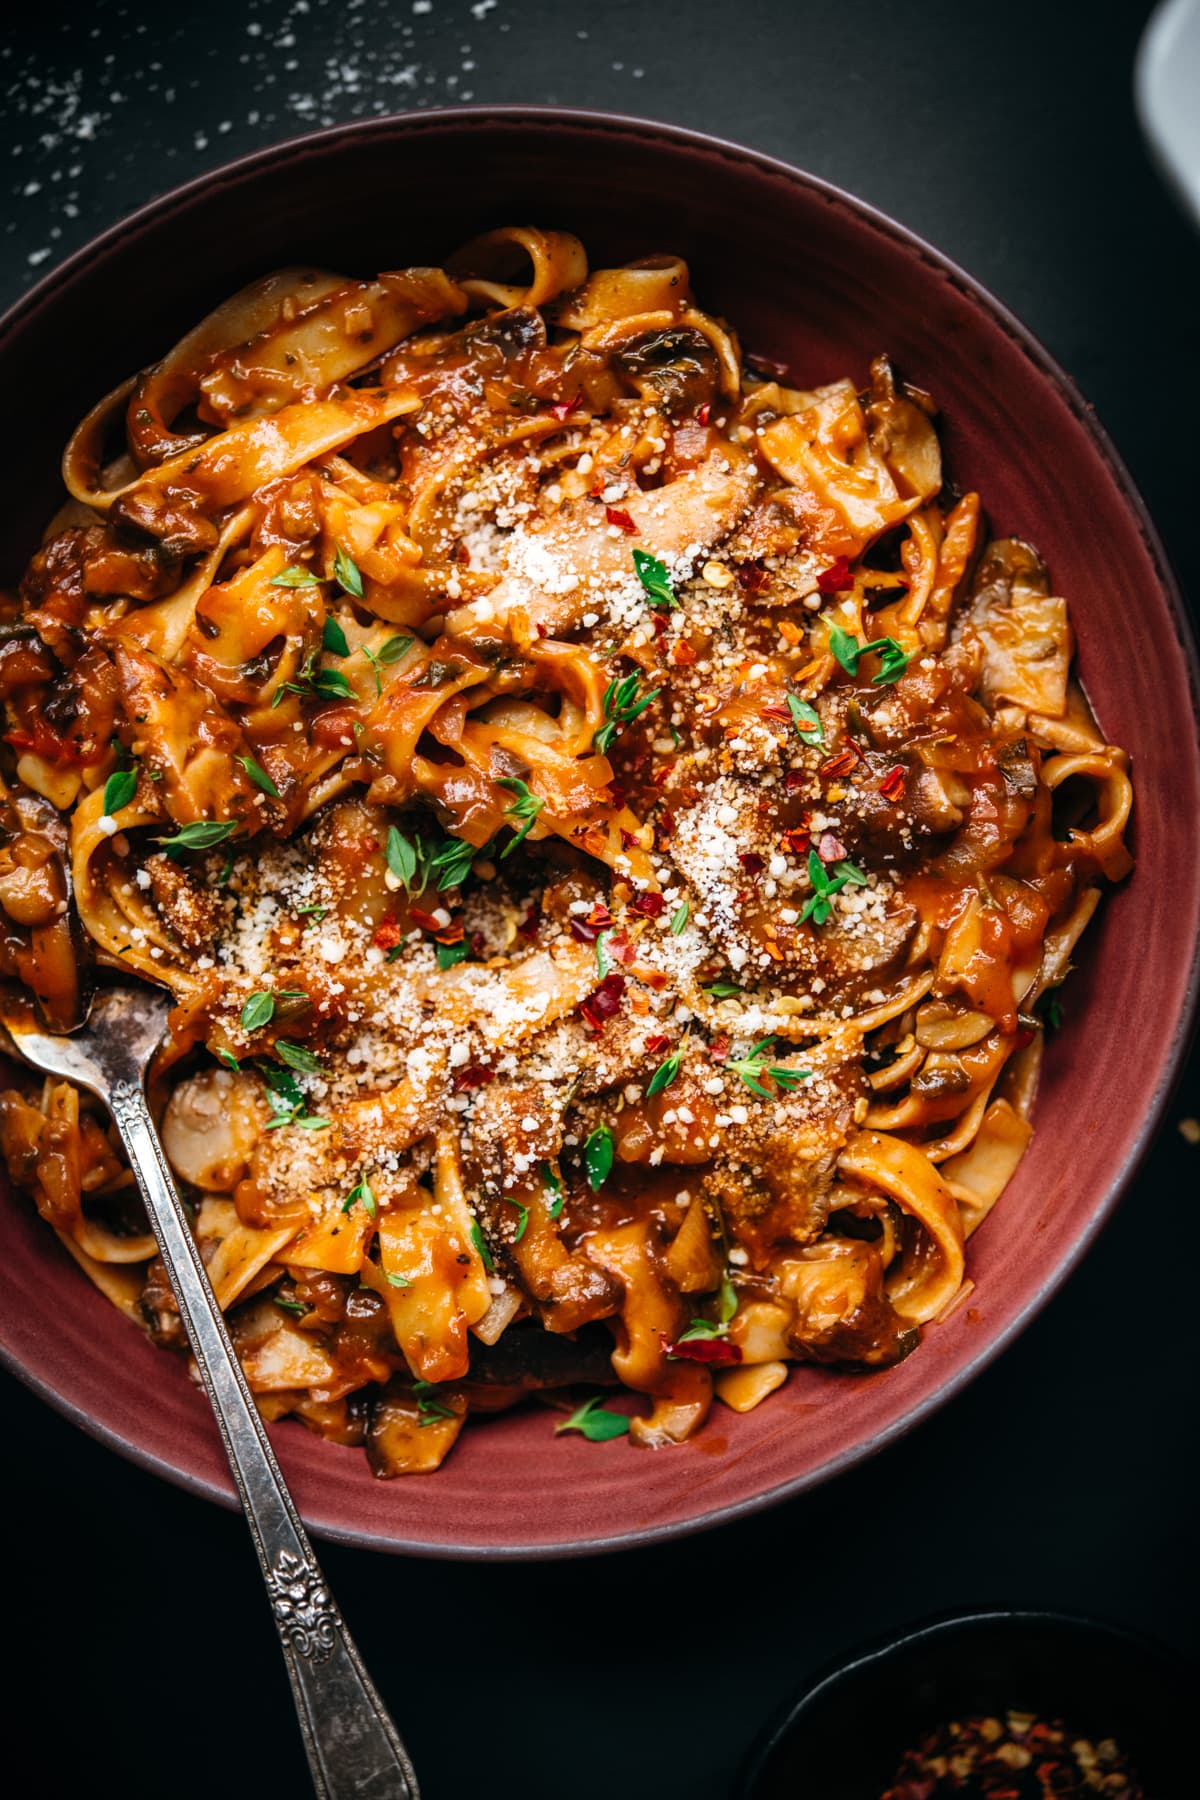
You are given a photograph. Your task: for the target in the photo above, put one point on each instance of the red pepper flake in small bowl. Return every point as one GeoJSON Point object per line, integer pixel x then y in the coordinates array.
{"type": "Point", "coordinates": [892, 785]}
{"type": "Point", "coordinates": [1014, 1758]}
{"type": "Point", "coordinates": [836, 577]}
{"type": "Point", "coordinates": [621, 519]}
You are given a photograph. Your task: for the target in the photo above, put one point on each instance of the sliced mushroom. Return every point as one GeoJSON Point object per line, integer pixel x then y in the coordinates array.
{"type": "Point", "coordinates": [211, 1125]}
{"type": "Point", "coordinates": [943, 1026]}
{"type": "Point", "coordinates": [675, 369]}
{"type": "Point", "coordinates": [901, 430]}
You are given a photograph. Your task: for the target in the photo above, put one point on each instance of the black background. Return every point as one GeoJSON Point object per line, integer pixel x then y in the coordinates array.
{"type": "Point", "coordinates": [141, 1659]}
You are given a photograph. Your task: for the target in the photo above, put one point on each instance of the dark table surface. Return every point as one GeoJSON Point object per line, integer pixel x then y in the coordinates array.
{"type": "Point", "coordinates": [143, 1661]}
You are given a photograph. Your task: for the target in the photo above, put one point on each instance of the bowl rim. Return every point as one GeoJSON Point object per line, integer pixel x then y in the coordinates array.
{"type": "Point", "coordinates": [931, 1628]}
{"type": "Point", "coordinates": [628, 126]}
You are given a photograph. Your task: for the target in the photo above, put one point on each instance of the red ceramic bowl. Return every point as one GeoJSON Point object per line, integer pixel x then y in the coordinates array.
{"type": "Point", "coordinates": [819, 280]}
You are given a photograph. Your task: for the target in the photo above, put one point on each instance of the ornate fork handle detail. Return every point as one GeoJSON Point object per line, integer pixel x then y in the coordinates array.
{"type": "Point", "coordinates": [353, 1747]}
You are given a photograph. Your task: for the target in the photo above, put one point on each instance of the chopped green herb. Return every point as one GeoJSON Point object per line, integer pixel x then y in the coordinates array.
{"type": "Point", "coordinates": [1051, 1010]}
{"type": "Point", "coordinates": [362, 1190]}
{"type": "Point", "coordinates": [293, 1306]}
{"type": "Point", "coordinates": [554, 1187]}
{"type": "Point", "coordinates": [679, 917]}
{"type": "Point", "coordinates": [603, 959]}
{"type": "Point", "coordinates": [522, 1217]}
{"type": "Point", "coordinates": [481, 1245]}
{"type": "Point", "coordinates": [393, 648]}
{"type": "Point", "coordinates": [259, 776]}
{"type": "Point", "coordinates": [229, 1059]}
{"type": "Point", "coordinates": [314, 914]}
{"type": "Point", "coordinates": [806, 719]}
{"type": "Point", "coordinates": [294, 577]}
{"type": "Point", "coordinates": [119, 790]}
{"type": "Point", "coordinates": [751, 1067]}
{"type": "Point", "coordinates": [333, 638]}
{"type": "Point", "coordinates": [665, 1073]}
{"type": "Point", "coordinates": [450, 954]}
{"type": "Point", "coordinates": [722, 990]}
{"type": "Point", "coordinates": [451, 863]}
{"type": "Point", "coordinates": [402, 859]}
{"type": "Point", "coordinates": [394, 1280]}
{"type": "Point", "coordinates": [331, 684]}
{"type": "Point", "coordinates": [621, 706]}
{"type": "Point", "coordinates": [201, 835]}
{"type": "Point", "coordinates": [347, 575]}
{"type": "Point", "coordinates": [702, 1328]}
{"type": "Point", "coordinates": [653, 575]}
{"type": "Point", "coordinates": [525, 808]}
{"type": "Point", "coordinates": [893, 659]}
{"type": "Point", "coordinates": [429, 1407]}
{"type": "Point", "coordinates": [297, 1056]}
{"type": "Point", "coordinates": [258, 1011]}
{"type": "Point", "coordinates": [595, 1421]}
{"type": "Point", "coordinates": [828, 880]}
{"type": "Point", "coordinates": [598, 1151]}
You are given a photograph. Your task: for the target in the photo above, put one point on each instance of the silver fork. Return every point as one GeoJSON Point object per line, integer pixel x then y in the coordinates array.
{"type": "Point", "coordinates": [353, 1747]}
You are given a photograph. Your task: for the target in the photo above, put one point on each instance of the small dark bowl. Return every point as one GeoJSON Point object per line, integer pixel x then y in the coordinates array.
{"type": "Point", "coordinates": [822, 282]}
{"type": "Point", "coordinates": [843, 1738]}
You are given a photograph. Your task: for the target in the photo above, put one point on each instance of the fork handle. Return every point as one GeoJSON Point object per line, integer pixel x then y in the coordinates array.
{"type": "Point", "coordinates": [354, 1750]}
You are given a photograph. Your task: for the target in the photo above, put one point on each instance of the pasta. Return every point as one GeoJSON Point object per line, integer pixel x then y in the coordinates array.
{"type": "Point", "coordinates": [611, 821]}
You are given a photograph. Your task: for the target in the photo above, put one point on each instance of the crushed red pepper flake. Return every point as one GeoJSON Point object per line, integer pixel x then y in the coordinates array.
{"type": "Point", "coordinates": [650, 906]}
{"type": "Point", "coordinates": [1017, 1757]}
{"type": "Point", "coordinates": [605, 1002]}
{"type": "Point", "coordinates": [704, 413]}
{"type": "Point", "coordinates": [752, 577]}
{"type": "Point", "coordinates": [563, 409]}
{"type": "Point", "coordinates": [622, 520]}
{"type": "Point", "coordinates": [751, 861]}
{"type": "Point", "coordinates": [475, 1075]}
{"type": "Point", "coordinates": [836, 577]}
{"type": "Point", "coordinates": [656, 1045]}
{"type": "Point", "coordinates": [892, 785]}
{"type": "Point", "coordinates": [387, 934]}
{"type": "Point", "coordinates": [841, 764]}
